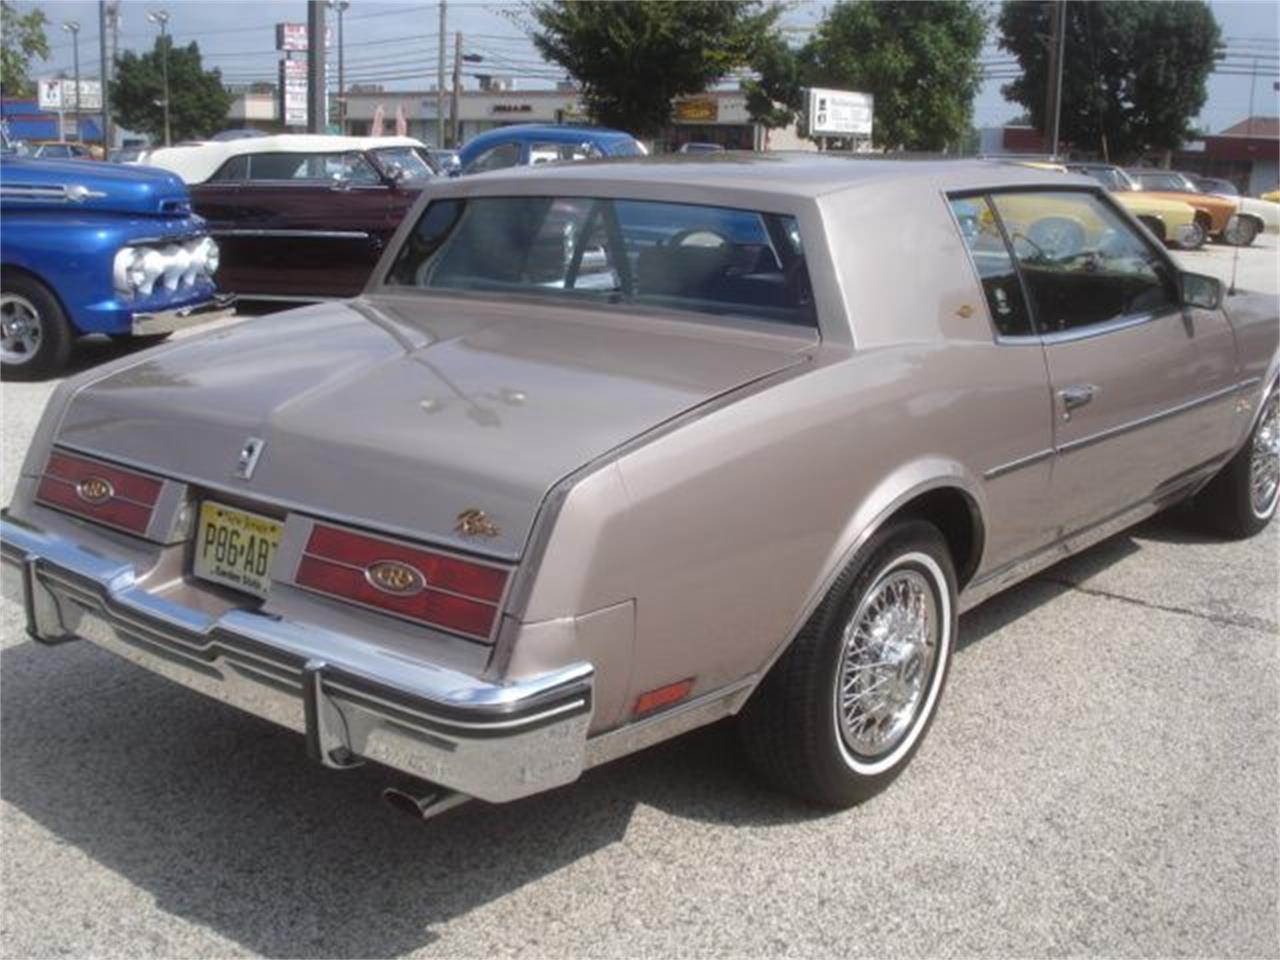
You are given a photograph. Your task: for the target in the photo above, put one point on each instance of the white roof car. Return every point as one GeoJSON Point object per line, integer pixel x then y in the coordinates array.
{"type": "Point", "coordinates": [197, 162]}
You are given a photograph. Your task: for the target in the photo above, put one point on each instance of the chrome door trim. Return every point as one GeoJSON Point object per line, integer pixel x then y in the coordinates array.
{"type": "Point", "coordinates": [1029, 460]}
{"type": "Point", "coordinates": [1087, 536]}
{"type": "Point", "coordinates": [323, 234]}
{"type": "Point", "coordinates": [1123, 428]}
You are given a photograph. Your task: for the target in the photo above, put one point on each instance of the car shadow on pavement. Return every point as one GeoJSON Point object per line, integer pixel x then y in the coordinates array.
{"type": "Point", "coordinates": [224, 822]}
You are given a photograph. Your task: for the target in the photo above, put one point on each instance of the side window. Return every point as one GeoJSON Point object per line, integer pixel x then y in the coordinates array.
{"type": "Point", "coordinates": [995, 266]}
{"type": "Point", "coordinates": [496, 158]}
{"type": "Point", "coordinates": [1081, 262]}
{"type": "Point", "coordinates": [234, 170]}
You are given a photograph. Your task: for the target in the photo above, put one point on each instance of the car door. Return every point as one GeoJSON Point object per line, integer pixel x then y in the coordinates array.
{"type": "Point", "coordinates": [309, 225]}
{"type": "Point", "coordinates": [1142, 387]}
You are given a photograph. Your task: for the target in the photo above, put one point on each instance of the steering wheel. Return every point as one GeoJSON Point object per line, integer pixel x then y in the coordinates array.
{"type": "Point", "coordinates": [1057, 237]}
{"type": "Point", "coordinates": [698, 237]}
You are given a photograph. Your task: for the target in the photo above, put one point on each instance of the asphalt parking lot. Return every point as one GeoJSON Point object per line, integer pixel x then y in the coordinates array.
{"type": "Point", "coordinates": [1103, 779]}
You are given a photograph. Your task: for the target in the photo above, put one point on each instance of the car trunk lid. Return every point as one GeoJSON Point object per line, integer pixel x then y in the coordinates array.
{"type": "Point", "coordinates": [403, 413]}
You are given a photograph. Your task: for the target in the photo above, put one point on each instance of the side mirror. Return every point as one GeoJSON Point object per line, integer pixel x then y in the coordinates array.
{"type": "Point", "coordinates": [1201, 291]}
{"type": "Point", "coordinates": [395, 172]}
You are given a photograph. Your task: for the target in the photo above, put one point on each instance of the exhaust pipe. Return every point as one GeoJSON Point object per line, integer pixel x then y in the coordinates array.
{"type": "Point", "coordinates": [425, 803]}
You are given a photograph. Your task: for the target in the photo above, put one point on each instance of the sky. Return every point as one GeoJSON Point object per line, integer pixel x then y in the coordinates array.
{"type": "Point", "coordinates": [396, 42]}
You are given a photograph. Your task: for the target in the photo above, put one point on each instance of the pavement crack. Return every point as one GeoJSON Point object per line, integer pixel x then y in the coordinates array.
{"type": "Point", "coordinates": [1239, 620]}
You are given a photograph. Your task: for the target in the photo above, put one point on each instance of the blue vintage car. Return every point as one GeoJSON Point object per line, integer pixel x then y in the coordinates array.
{"type": "Point", "coordinates": [96, 248]}
{"type": "Point", "coordinates": [529, 144]}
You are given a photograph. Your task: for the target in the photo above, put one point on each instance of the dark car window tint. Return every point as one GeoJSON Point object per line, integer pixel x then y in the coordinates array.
{"type": "Point", "coordinates": [995, 266]}
{"type": "Point", "coordinates": [234, 170]}
{"type": "Point", "coordinates": [495, 158]}
{"type": "Point", "coordinates": [680, 256]}
{"type": "Point", "coordinates": [1083, 264]}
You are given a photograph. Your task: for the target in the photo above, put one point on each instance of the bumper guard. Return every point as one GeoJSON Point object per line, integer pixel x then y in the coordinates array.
{"type": "Point", "coordinates": [350, 698]}
{"type": "Point", "coordinates": [167, 321]}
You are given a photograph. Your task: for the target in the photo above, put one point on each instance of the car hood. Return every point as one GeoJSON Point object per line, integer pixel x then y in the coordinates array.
{"type": "Point", "coordinates": [402, 412]}
{"type": "Point", "coordinates": [89, 185]}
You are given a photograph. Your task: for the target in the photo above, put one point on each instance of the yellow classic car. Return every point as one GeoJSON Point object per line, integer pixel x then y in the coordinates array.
{"type": "Point", "coordinates": [1171, 221]}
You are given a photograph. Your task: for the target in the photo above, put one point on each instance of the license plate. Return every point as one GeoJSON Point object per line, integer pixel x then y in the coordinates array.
{"type": "Point", "coordinates": [235, 547]}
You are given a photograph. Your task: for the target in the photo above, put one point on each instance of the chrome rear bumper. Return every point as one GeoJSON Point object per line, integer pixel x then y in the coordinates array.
{"type": "Point", "coordinates": [351, 699]}
{"type": "Point", "coordinates": [167, 321]}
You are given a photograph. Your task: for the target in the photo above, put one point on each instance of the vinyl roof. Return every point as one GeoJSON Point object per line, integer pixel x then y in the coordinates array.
{"type": "Point", "coordinates": [793, 174]}
{"type": "Point", "coordinates": [197, 162]}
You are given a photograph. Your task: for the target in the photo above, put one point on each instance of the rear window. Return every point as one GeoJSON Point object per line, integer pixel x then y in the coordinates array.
{"type": "Point", "coordinates": [704, 259]}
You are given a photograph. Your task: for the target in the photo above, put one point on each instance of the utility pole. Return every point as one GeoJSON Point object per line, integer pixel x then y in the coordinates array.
{"type": "Point", "coordinates": [73, 27]}
{"type": "Point", "coordinates": [315, 67]}
{"type": "Point", "coordinates": [161, 18]}
{"type": "Point", "coordinates": [440, 78]}
{"type": "Point", "coordinates": [457, 82]}
{"type": "Point", "coordinates": [105, 74]}
{"type": "Point", "coordinates": [341, 7]}
{"type": "Point", "coordinates": [1053, 104]}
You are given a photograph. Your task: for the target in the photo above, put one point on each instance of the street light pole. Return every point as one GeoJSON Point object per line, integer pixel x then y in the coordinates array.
{"type": "Point", "coordinates": [105, 74]}
{"type": "Point", "coordinates": [161, 18]}
{"type": "Point", "coordinates": [73, 27]}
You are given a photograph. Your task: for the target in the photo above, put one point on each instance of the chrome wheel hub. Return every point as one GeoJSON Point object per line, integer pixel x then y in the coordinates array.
{"type": "Point", "coordinates": [20, 329]}
{"type": "Point", "coordinates": [890, 646]}
{"type": "Point", "coordinates": [1264, 459]}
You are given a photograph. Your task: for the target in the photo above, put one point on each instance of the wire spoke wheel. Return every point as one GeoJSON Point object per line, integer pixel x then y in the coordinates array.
{"type": "Point", "coordinates": [21, 329]}
{"type": "Point", "coordinates": [1264, 459]}
{"type": "Point", "coordinates": [890, 650]}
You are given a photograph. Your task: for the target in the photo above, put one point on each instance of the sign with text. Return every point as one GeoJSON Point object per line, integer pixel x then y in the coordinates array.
{"type": "Point", "coordinates": [840, 113]}
{"type": "Point", "coordinates": [293, 36]}
{"type": "Point", "coordinates": [697, 110]}
{"type": "Point", "coordinates": [57, 93]}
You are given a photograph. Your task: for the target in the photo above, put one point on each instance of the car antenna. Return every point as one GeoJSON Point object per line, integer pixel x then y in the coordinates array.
{"type": "Point", "coordinates": [1235, 256]}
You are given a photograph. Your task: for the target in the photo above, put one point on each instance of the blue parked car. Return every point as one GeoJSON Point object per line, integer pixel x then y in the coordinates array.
{"type": "Point", "coordinates": [96, 248]}
{"type": "Point", "coordinates": [528, 144]}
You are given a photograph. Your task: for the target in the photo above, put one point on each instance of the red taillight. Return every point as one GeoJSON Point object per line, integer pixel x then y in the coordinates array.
{"type": "Point", "coordinates": [98, 491]}
{"type": "Point", "coordinates": [422, 585]}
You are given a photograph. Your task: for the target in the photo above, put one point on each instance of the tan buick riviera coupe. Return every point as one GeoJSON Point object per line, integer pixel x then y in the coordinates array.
{"type": "Point", "coordinates": [608, 451]}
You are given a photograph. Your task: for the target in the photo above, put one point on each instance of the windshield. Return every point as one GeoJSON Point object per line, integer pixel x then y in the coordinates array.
{"type": "Point", "coordinates": [1112, 178]}
{"type": "Point", "coordinates": [411, 161]}
{"type": "Point", "coordinates": [703, 259]}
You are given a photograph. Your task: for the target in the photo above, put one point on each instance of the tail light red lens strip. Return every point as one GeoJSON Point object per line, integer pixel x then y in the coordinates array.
{"type": "Point", "coordinates": [106, 494]}
{"type": "Point", "coordinates": [455, 594]}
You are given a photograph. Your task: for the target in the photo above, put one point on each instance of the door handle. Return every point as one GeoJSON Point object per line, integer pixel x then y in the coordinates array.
{"type": "Point", "coordinates": [1076, 396]}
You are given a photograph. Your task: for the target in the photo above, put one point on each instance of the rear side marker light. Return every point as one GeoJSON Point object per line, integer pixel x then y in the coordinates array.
{"type": "Point", "coordinates": [106, 494]}
{"type": "Point", "coordinates": [653, 700]}
{"type": "Point", "coordinates": [425, 586]}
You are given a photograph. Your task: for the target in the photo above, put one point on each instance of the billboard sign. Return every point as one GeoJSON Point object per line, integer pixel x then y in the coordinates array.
{"type": "Point", "coordinates": [56, 93]}
{"type": "Point", "coordinates": [840, 113]}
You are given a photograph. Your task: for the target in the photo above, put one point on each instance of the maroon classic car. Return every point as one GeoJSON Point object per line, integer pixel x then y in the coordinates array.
{"type": "Point", "coordinates": [300, 217]}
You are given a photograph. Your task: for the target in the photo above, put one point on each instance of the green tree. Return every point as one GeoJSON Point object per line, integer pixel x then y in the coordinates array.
{"type": "Point", "coordinates": [919, 58]}
{"type": "Point", "coordinates": [1134, 71]}
{"type": "Point", "coordinates": [775, 97]}
{"type": "Point", "coordinates": [632, 58]}
{"type": "Point", "coordinates": [21, 38]}
{"type": "Point", "coordinates": [198, 102]}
